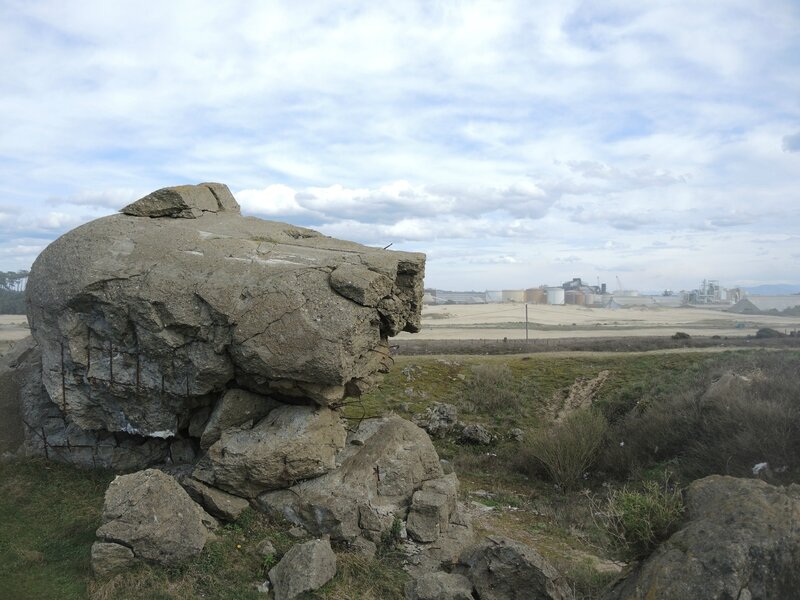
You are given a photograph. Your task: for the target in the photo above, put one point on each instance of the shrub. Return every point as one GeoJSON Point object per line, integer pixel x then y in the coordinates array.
{"type": "Point", "coordinates": [568, 449]}
{"type": "Point", "coordinates": [638, 520]}
{"type": "Point", "coordinates": [766, 332]}
{"type": "Point", "coordinates": [490, 387]}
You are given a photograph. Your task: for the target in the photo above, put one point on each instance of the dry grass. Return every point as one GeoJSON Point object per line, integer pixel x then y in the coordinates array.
{"type": "Point", "coordinates": [568, 449]}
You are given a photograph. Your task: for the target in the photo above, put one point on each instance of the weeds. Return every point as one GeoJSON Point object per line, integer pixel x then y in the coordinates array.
{"type": "Point", "coordinates": [638, 520]}
{"type": "Point", "coordinates": [568, 449]}
{"type": "Point", "coordinates": [491, 387]}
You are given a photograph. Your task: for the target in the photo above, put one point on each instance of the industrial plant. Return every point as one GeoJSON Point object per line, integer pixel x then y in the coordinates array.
{"type": "Point", "coordinates": [579, 293]}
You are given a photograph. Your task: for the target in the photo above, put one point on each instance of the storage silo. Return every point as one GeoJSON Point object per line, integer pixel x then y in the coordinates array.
{"type": "Point", "coordinates": [555, 295]}
{"type": "Point", "coordinates": [593, 300]}
{"type": "Point", "coordinates": [536, 296]}
{"type": "Point", "coordinates": [514, 296]}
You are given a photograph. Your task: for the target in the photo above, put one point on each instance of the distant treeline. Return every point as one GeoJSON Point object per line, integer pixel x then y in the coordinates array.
{"type": "Point", "coordinates": [12, 292]}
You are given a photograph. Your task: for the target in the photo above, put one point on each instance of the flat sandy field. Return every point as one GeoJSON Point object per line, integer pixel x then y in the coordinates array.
{"type": "Point", "coordinates": [496, 321]}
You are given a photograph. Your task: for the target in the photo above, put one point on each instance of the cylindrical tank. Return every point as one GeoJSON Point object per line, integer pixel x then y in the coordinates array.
{"type": "Point", "coordinates": [555, 295]}
{"type": "Point", "coordinates": [536, 296]}
{"type": "Point", "coordinates": [593, 299]}
{"type": "Point", "coordinates": [574, 297]}
{"type": "Point", "coordinates": [513, 295]}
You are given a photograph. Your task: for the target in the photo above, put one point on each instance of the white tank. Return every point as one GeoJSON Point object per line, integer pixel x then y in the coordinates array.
{"type": "Point", "coordinates": [594, 299]}
{"type": "Point", "coordinates": [555, 295]}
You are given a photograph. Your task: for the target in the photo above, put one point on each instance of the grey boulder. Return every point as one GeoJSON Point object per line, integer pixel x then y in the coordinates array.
{"type": "Point", "coordinates": [502, 569]}
{"type": "Point", "coordinates": [150, 513]}
{"type": "Point", "coordinates": [304, 568]}
{"type": "Point", "coordinates": [741, 541]}
{"type": "Point", "coordinates": [143, 318]}
{"type": "Point", "coordinates": [476, 434]}
{"type": "Point", "coordinates": [290, 444]}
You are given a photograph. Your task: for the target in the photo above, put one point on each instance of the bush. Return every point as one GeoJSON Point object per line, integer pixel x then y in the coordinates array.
{"type": "Point", "coordinates": [490, 387]}
{"type": "Point", "coordinates": [638, 520]}
{"type": "Point", "coordinates": [766, 333]}
{"type": "Point", "coordinates": [568, 449]}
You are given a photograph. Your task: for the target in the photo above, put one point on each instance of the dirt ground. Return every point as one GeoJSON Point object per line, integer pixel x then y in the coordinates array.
{"type": "Point", "coordinates": [498, 321]}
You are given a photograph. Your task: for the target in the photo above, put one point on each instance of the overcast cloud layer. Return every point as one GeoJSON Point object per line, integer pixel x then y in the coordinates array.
{"type": "Point", "coordinates": [514, 143]}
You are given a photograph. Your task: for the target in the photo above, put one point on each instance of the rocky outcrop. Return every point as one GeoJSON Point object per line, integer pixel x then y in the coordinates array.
{"type": "Point", "coordinates": [150, 514]}
{"type": "Point", "coordinates": [143, 319]}
{"type": "Point", "coordinates": [741, 541]}
{"type": "Point", "coordinates": [384, 462]}
{"type": "Point", "coordinates": [502, 569]}
{"type": "Point", "coordinates": [220, 348]}
{"type": "Point", "coordinates": [304, 568]}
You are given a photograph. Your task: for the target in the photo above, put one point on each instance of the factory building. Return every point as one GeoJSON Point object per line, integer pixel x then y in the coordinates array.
{"type": "Point", "coordinates": [449, 297]}
{"type": "Point", "coordinates": [493, 296]}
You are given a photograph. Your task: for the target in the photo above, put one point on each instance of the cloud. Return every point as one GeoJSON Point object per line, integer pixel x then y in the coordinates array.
{"type": "Point", "coordinates": [471, 129]}
{"type": "Point", "coordinates": [791, 143]}
{"type": "Point", "coordinates": [399, 205]}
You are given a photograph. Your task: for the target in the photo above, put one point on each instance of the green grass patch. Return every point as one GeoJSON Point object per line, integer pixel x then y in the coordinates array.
{"type": "Point", "coordinates": [48, 515]}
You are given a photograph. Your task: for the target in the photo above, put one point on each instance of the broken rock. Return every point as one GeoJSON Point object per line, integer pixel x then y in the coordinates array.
{"type": "Point", "coordinates": [234, 409]}
{"type": "Point", "coordinates": [431, 508]}
{"type": "Point", "coordinates": [304, 568]}
{"type": "Point", "coordinates": [290, 444]}
{"type": "Point", "coordinates": [108, 557]}
{"type": "Point", "coordinates": [150, 513]}
{"type": "Point", "coordinates": [220, 504]}
{"type": "Point", "coordinates": [372, 487]}
{"type": "Point", "coordinates": [502, 569]}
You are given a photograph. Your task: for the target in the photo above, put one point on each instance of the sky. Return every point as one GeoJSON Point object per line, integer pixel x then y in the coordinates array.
{"type": "Point", "coordinates": [515, 143]}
